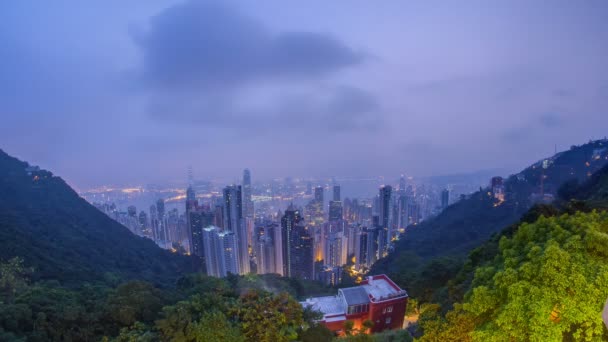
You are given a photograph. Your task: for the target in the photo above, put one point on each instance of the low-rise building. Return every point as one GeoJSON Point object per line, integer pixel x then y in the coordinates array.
{"type": "Point", "coordinates": [377, 299]}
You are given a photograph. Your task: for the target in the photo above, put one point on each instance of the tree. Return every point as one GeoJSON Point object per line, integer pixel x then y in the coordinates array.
{"type": "Point", "coordinates": [13, 278]}
{"type": "Point", "coordinates": [266, 317]}
{"type": "Point", "coordinates": [134, 301]}
{"type": "Point", "coordinates": [548, 283]}
{"type": "Point", "coordinates": [214, 326]}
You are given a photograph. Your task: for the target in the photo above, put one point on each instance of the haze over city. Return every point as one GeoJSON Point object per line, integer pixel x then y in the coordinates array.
{"type": "Point", "coordinates": [120, 92]}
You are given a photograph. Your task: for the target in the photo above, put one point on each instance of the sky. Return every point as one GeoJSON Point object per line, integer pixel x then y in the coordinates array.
{"type": "Point", "coordinates": [134, 92]}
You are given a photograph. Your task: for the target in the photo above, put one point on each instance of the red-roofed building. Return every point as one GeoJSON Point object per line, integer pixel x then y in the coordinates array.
{"type": "Point", "coordinates": [377, 299]}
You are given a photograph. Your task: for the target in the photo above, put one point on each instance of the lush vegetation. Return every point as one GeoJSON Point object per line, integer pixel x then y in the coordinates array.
{"type": "Point", "coordinates": [45, 222]}
{"type": "Point", "coordinates": [432, 254]}
{"type": "Point", "coordinates": [548, 282]}
{"type": "Point", "coordinates": [198, 308]}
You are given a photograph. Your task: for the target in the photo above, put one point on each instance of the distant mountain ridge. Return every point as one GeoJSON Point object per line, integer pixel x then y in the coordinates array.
{"type": "Point", "coordinates": [470, 222]}
{"type": "Point", "coordinates": [65, 238]}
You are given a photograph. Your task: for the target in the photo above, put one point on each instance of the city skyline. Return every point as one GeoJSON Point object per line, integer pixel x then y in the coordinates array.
{"type": "Point", "coordinates": [104, 96]}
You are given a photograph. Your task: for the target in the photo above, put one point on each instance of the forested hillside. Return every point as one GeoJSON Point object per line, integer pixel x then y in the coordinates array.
{"type": "Point", "coordinates": [64, 238]}
{"type": "Point", "coordinates": [431, 253]}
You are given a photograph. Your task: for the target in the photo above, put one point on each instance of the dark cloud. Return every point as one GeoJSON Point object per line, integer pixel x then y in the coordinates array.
{"type": "Point", "coordinates": [209, 44]}
{"type": "Point", "coordinates": [551, 120]}
{"type": "Point", "coordinates": [337, 109]}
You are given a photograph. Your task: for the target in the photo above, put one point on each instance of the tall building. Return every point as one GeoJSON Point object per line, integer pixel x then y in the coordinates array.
{"type": "Point", "coordinates": [154, 223]}
{"type": "Point", "coordinates": [221, 255]}
{"type": "Point", "coordinates": [335, 210]}
{"type": "Point", "coordinates": [297, 246]}
{"type": "Point", "coordinates": [336, 193]}
{"type": "Point", "coordinates": [132, 211]}
{"type": "Point", "coordinates": [144, 224]}
{"type": "Point", "coordinates": [264, 247]}
{"type": "Point", "coordinates": [234, 222]}
{"type": "Point", "coordinates": [335, 250]}
{"type": "Point", "coordinates": [445, 198]}
{"type": "Point", "coordinates": [319, 195]}
{"type": "Point", "coordinates": [248, 209]}
{"type": "Point", "coordinates": [198, 220]}
{"type": "Point", "coordinates": [161, 227]}
{"type": "Point", "coordinates": [385, 217]}
{"type": "Point", "coordinates": [301, 249]}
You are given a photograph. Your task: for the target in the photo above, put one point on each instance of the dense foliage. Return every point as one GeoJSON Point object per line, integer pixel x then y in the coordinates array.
{"type": "Point", "coordinates": [548, 282]}
{"type": "Point", "coordinates": [199, 308]}
{"type": "Point", "coordinates": [45, 222]}
{"type": "Point", "coordinates": [434, 252]}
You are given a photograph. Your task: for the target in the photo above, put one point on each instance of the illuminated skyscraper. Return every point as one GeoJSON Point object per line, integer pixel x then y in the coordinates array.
{"type": "Point", "coordinates": [335, 210]}
{"type": "Point", "coordinates": [234, 222]}
{"type": "Point", "coordinates": [319, 195]}
{"type": "Point", "coordinates": [248, 209]}
{"type": "Point", "coordinates": [221, 255]}
{"type": "Point", "coordinates": [297, 246]}
{"type": "Point", "coordinates": [384, 211]}
{"type": "Point", "coordinates": [336, 193]}
{"type": "Point", "coordinates": [161, 225]}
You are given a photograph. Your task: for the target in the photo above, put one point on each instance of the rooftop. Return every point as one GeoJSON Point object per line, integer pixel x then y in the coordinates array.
{"type": "Point", "coordinates": [380, 287]}
{"type": "Point", "coordinates": [355, 295]}
{"type": "Point", "coordinates": [327, 305]}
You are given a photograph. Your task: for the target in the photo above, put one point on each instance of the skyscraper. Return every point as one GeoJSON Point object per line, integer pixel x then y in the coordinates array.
{"type": "Point", "coordinates": [198, 220]}
{"type": "Point", "coordinates": [384, 211]}
{"type": "Point", "coordinates": [132, 211]}
{"type": "Point", "coordinates": [291, 218]}
{"type": "Point", "coordinates": [144, 224]}
{"type": "Point", "coordinates": [248, 209]}
{"type": "Point", "coordinates": [335, 210]}
{"type": "Point", "coordinates": [264, 246]}
{"type": "Point", "coordinates": [336, 193]}
{"type": "Point", "coordinates": [319, 195]}
{"type": "Point", "coordinates": [161, 225]}
{"type": "Point", "coordinates": [301, 249]}
{"type": "Point", "coordinates": [221, 255]}
{"type": "Point", "coordinates": [234, 222]}
{"type": "Point", "coordinates": [445, 198]}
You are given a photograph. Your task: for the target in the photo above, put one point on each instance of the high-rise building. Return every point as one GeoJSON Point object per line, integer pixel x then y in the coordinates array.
{"type": "Point", "coordinates": [319, 195]}
{"type": "Point", "coordinates": [221, 255]}
{"type": "Point", "coordinates": [336, 193]}
{"type": "Point", "coordinates": [154, 223]}
{"type": "Point", "coordinates": [335, 254]}
{"type": "Point", "coordinates": [248, 209]}
{"type": "Point", "coordinates": [413, 212]}
{"type": "Point", "coordinates": [385, 217]}
{"type": "Point", "coordinates": [301, 249]}
{"type": "Point", "coordinates": [198, 220]}
{"type": "Point", "coordinates": [445, 198]}
{"type": "Point", "coordinates": [291, 218]}
{"type": "Point", "coordinates": [234, 222]}
{"type": "Point", "coordinates": [297, 246]}
{"type": "Point", "coordinates": [264, 248]}
{"type": "Point", "coordinates": [144, 224]}
{"type": "Point", "coordinates": [402, 184]}
{"type": "Point", "coordinates": [335, 210]}
{"type": "Point", "coordinates": [132, 211]}
{"type": "Point", "coordinates": [161, 226]}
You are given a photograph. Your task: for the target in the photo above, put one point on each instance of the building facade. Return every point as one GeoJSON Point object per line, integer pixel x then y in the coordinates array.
{"type": "Point", "coordinates": [377, 299]}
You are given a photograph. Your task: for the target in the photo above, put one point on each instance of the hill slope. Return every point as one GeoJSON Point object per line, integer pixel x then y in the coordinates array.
{"type": "Point", "coordinates": [470, 222]}
{"type": "Point", "coordinates": [63, 237]}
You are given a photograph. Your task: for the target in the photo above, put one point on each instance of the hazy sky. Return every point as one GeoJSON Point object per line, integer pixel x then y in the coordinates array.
{"type": "Point", "coordinates": [135, 91]}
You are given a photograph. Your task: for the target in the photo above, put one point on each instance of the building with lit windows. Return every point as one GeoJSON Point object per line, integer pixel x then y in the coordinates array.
{"type": "Point", "coordinates": [377, 299]}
